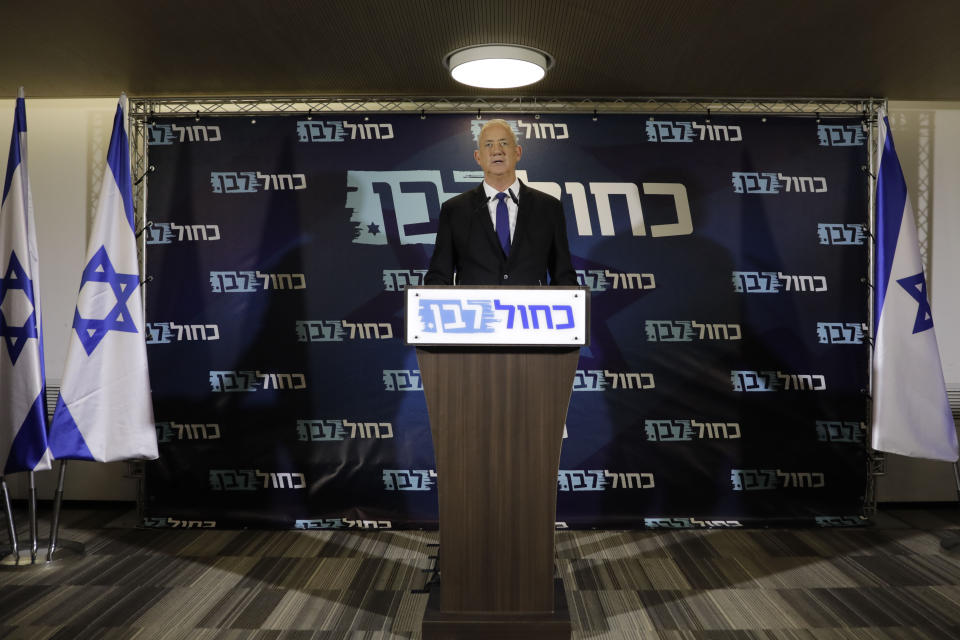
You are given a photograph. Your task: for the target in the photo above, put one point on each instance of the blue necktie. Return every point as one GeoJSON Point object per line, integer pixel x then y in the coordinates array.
{"type": "Point", "coordinates": [503, 223]}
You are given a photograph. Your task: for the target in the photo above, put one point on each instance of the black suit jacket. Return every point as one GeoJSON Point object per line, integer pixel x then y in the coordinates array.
{"type": "Point", "coordinates": [467, 243]}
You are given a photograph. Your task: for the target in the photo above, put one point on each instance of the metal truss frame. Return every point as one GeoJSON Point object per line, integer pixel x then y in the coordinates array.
{"type": "Point", "coordinates": [144, 108]}
{"type": "Point", "coordinates": [141, 108]}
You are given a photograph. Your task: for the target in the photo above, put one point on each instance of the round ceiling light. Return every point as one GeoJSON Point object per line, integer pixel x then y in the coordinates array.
{"type": "Point", "coordinates": [498, 66]}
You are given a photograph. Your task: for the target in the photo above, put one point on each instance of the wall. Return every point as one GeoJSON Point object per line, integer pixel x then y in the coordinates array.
{"type": "Point", "coordinates": [67, 149]}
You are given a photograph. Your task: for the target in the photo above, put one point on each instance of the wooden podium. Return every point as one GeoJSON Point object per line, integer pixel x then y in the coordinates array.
{"type": "Point", "coordinates": [497, 366]}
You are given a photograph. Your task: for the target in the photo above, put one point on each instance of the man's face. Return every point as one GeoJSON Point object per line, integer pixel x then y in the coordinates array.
{"type": "Point", "coordinates": [497, 154]}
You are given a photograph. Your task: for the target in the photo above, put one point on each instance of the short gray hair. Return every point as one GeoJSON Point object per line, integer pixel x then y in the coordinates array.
{"type": "Point", "coordinates": [497, 122]}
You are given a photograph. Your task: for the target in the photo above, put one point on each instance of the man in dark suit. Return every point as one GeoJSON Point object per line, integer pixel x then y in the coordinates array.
{"type": "Point", "coordinates": [503, 232]}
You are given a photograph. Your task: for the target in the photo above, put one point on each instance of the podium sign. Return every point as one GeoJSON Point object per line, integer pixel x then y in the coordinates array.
{"type": "Point", "coordinates": [497, 316]}
{"type": "Point", "coordinates": [497, 365]}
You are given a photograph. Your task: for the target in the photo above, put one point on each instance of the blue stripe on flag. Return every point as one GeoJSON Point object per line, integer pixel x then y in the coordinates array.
{"type": "Point", "coordinates": [118, 159]}
{"type": "Point", "coordinates": [19, 126]}
{"type": "Point", "coordinates": [30, 442]}
{"type": "Point", "coordinates": [66, 441]}
{"type": "Point", "coordinates": [891, 199]}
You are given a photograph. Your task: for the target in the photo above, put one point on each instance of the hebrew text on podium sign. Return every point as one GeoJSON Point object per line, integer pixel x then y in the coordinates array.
{"type": "Point", "coordinates": [488, 316]}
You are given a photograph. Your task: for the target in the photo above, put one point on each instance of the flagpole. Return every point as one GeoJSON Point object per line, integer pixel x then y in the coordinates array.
{"type": "Point", "coordinates": [956, 478]}
{"type": "Point", "coordinates": [55, 516]}
{"type": "Point", "coordinates": [33, 518]}
{"type": "Point", "coordinates": [952, 544]}
{"type": "Point", "coordinates": [11, 528]}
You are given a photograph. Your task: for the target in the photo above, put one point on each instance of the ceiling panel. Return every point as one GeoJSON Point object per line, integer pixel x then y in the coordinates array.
{"type": "Point", "coordinates": [734, 48]}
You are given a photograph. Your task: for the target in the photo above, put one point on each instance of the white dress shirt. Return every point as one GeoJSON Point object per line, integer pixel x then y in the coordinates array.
{"type": "Point", "coordinates": [511, 205]}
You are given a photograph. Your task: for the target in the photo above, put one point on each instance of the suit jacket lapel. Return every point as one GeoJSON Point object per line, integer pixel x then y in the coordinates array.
{"type": "Point", "coordinates": [524, 214]}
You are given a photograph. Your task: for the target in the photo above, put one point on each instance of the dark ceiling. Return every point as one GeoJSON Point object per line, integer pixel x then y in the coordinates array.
{"type": "Point", "coordinates": [603, 48]}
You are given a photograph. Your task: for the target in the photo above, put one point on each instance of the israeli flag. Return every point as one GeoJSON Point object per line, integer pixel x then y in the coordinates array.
{"type": "Point", "coordinates": [911, 415]}
{"type": "Point", "coordinates": [104, 412]}
{"type": "Point", "coordinates": [23, 414]}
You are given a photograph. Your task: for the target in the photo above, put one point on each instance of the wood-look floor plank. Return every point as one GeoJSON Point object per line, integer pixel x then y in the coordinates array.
{"type": "Point", "coordinates": [892, 581]}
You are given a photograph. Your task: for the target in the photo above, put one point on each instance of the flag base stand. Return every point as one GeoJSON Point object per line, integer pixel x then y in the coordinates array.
{"type": "Point", "coordinates": [66, 550]}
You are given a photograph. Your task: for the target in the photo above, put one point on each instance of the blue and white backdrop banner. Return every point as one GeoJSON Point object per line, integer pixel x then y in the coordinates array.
{"type": "Point", "coordinates": [723, 384]}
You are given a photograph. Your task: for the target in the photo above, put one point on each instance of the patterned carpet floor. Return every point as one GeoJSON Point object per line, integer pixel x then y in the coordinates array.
{"type": "Point", "coordinates": [888, 581]}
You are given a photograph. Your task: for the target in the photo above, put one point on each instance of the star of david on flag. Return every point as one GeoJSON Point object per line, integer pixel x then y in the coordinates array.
{"type": "Point", "coordinates": [16, 337]}
{"type": "Point", "coordinates": [916, 286]}
{"type": "Point", "coordinates": [91, 331]}
{"type": "Point", "coordinates": [104, 412]}
{"type": "Point", "coordinates": [911, 414]}
{"type": "Point", "coordinates": [23, 417]}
